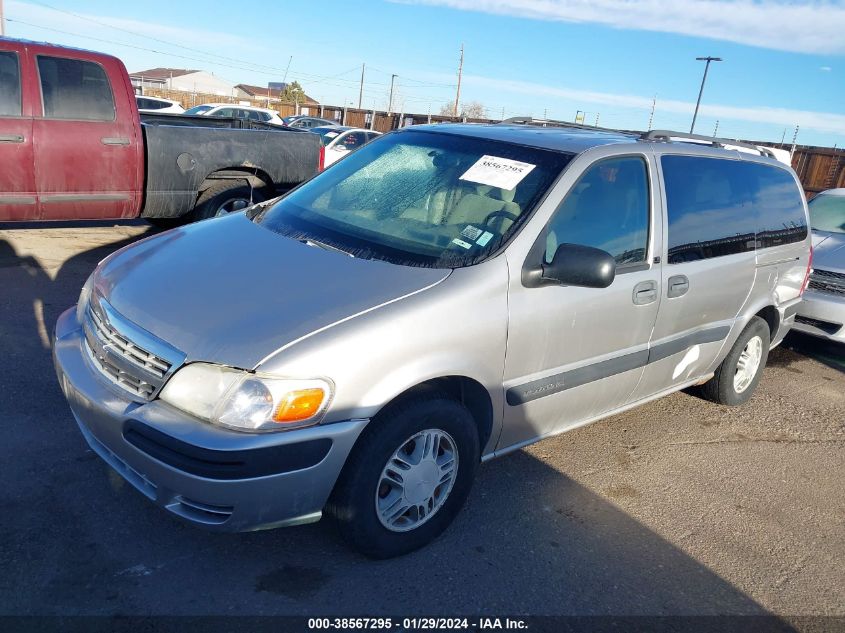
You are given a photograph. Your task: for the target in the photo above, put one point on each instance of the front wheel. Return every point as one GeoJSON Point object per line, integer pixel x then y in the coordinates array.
{"type": "Point", "coordinates": [737, 377]}
{"type": "Point", "coordinates": [408, 476]}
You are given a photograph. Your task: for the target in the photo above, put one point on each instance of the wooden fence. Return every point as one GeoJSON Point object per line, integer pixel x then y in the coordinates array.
{"type": "Point", "coordinates": [819, 168]}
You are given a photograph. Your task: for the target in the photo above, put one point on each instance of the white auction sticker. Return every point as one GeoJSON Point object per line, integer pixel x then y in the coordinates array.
{"type": "Point", "coordinates": [331, 134]}
{"type": "Point", "coordinates": [498, 172]}
{"type": "Point", "coordinates": [461, 243]}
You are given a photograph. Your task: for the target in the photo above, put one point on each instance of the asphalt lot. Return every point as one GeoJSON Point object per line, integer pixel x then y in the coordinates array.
{"type": "Point", "coordinates": [678, 507]}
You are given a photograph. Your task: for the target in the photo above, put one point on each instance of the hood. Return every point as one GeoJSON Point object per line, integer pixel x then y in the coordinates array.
{"type": "Point", "coordinates": [829, 251]}
{"type": "Point", "coordinates": [231, 292]}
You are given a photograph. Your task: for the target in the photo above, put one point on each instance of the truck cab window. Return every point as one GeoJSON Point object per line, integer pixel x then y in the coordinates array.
{"type": "Point", "coordinates": [10, 84]}
{"type": "Point", "coordinates": [75, 89]}
{"type": "Point", "coordinates": [607, 209]}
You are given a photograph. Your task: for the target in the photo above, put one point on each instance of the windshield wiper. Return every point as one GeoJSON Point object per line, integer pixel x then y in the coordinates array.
{"type": "Point", "coordinates": [310, 241]}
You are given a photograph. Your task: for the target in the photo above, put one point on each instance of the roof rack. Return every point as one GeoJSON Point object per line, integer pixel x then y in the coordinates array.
{"type": "Point", "coordinates": [527, 120]}
{"type": "Point", "coordinates": [668, 135]}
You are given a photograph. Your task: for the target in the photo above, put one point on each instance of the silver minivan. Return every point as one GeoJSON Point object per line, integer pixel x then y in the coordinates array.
{"type": "Point", "coordinates": [445, 295]}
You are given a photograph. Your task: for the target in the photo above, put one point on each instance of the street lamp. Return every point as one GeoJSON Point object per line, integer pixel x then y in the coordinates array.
{"type": "Point", "coordinates": [701, 91]}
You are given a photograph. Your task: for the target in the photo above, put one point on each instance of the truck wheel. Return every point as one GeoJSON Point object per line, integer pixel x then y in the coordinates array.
{"type": "Point", "coordinates": [223, 197]}
{"type": "Point", "coordinates": [737, 377]}
{"type": "Point", "coordinates": [408, 476]}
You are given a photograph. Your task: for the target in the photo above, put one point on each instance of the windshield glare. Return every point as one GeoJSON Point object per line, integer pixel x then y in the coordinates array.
{"type": "Point", "coordinates": [827, 213]}
{"type": "Point", "coordinates": [420, 198]}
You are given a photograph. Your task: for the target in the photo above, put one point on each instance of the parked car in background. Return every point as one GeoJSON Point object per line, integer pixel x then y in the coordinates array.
{"type": "Point", "coordinates": [338, 141]}
{"type": "Point", "coordinates": [74, 146]}
{"type": "Point", "coordinates": [442, 296]}
{"type": "Point", "coordinates": [308, 122]}
{"type": "Point", "coordinates": [822, 313]}
{"type": "Point", "coordinates": [234, 111]}
{"type": "Point", "coordinates": [158, 105]}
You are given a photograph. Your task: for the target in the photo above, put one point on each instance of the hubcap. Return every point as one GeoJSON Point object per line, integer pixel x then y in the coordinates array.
{"type": "Point", "coordinates": [231, 206]}
{"type": "Point", "coordinates": [748, 364]}
{"type": "Point", "coordinates": [416, 480]}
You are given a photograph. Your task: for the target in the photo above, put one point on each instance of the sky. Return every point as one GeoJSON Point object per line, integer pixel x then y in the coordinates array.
{"type": "Point", "coordinates": [783, 60]}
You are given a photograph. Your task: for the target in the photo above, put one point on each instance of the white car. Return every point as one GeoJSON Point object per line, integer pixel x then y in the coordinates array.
{"type": "Point", "coordinates": [338, 141]}
{"type": "Point", "coordinates": [158, 105]}
{"type": "Point", "coordinates": [233, 110]}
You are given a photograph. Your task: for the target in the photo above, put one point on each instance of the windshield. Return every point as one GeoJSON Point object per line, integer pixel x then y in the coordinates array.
{"type": "Point", "coordinates": [327, 134]}
{"type": "Point", "coordinates": [827, 213]}
{"type": "Point", "coordinates": [420, 199]}
{"type": "Point", "coordinates": [198, 109]}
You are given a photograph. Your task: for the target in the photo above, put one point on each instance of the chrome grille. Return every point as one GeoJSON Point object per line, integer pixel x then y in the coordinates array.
{"type": "Point", "coordinates": [134, 354]}
{"type": "Point", "coordinates": [118, 376]}
{"type": "Point", "coordinates": [125, 354]}
{"type": "Point", "coordinates": [828, 282]}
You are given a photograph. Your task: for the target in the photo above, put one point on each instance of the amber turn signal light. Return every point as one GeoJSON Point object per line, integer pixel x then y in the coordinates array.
{"type": "Point", "coordinates": [296, 406]}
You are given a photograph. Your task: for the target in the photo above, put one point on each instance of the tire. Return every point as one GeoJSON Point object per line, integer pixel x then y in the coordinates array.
{"type": "Point", "coordinates": [727, 386]}
{"type": "Point", "coordinates": [213, 201]}
{"type": "Point", "coordinates": [362, 486]}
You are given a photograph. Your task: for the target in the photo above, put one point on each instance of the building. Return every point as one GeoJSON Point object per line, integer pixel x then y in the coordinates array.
{"type": "Point", "coordinates": [271, 94]}
{"type": "Point", "coordinates": [182, 79]}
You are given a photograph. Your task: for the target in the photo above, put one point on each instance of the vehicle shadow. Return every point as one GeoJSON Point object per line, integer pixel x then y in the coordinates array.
{"type": "Point", "coordinates": [798, 345]}
{"type": "Point", "coordinates": [531, 540]}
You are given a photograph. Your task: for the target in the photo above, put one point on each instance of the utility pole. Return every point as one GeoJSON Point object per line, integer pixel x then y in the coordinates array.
{"type": "Point", "coordinates": [390, 98]}
{"type": "Point", "coordinates": [651, 116]}
{"type": "Point", "coordinates": [701, 90]}
{"type": "Point", "coordinates": [716, 129]}
{"type": "Point", "coordinates": [361, 89]}
{"type": "Point", "coordinates": [460, 73]}
{"type": "Point", "coordinates": [2, 20]}
{"type": "Point", "coordinates": [597, 118]}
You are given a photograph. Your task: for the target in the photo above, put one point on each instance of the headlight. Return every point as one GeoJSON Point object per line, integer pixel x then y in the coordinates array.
{"type": "Point", "coordinates": [245, 401]}
{"type": "Point", "coordinates": [84, 297]}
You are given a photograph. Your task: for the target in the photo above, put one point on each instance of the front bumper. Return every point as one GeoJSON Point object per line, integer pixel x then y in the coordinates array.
{"type": "Point", "coordinates": [212, 477]}
{"type": "Point", "coordinates": [822, 314]}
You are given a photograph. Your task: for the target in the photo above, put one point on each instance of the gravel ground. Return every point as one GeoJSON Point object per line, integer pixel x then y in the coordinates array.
{"type": "Point", "coordinates": [677, 507]}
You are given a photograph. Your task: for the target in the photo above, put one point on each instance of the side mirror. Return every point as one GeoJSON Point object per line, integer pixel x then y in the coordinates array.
{"type": "Point", "coordinates": [576, 265]}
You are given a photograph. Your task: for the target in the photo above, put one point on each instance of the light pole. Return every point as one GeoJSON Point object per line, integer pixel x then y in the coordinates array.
{"type": "Point", "coordinates": [701, 91]}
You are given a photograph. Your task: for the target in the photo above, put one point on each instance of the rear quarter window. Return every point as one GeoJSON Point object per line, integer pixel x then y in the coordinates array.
{"type": "Point", "coordinates": [75, 89]}
{"type": "Point", "coordinates": [10, 84]}
{"type": "Point", "coordinates": [719, 207]}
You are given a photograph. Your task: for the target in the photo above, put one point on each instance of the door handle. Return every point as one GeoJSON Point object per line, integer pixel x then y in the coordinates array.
{"type": "Point", "coordinates": [645, 292]}
{"type": "Point", "coordinates": [114, 140]}
{"type": "Point", "coordinates": [11, 138]}
{"type": "Point", "coordinates": [678, 286]}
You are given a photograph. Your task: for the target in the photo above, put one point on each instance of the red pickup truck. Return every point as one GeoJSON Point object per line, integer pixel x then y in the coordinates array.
{"type": "Point", "coordinates": [73, 146]}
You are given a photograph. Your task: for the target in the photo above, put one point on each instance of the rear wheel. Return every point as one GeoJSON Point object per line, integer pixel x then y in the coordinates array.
{"type": "Point", "coordinates": [737, 377]}
{"type": "Point", "coordinates": [408, 477]}
{"type": "Point", "coordinates": [224, 197]}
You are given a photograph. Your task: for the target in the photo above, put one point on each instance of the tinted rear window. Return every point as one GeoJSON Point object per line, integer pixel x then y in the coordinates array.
{"type": "Point", "coordinates": [720, 207]}
{"type": "Point", "coordinates": [75, 89]}
{"type": "Point", "coordinates": [10, 84]}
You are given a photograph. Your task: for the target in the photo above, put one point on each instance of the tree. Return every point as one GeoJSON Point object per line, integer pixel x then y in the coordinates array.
{"type": "Point", "coordinates": [293, 93]}
{"type": "Point", "coordinates": [473, 110]}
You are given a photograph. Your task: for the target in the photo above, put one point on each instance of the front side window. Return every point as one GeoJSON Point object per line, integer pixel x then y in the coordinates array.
{"type": "Point", "coordinates": [75, 89]}
{"type": "Point", "coordinates": [608, 208]}
{"type": "Point", "coordinates": [420, 198]}
{"type": "Point", "coordinates": [224, 113]}
{"type": "Point", "coordinates": [719, 207]}
{"type": "Point", "coordinates": [827, 213]}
